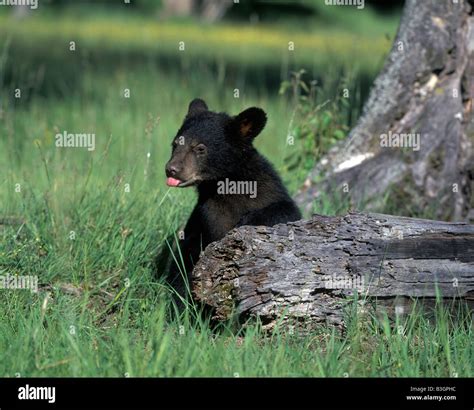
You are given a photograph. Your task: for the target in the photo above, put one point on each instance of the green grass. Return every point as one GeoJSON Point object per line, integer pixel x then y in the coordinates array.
{"type": "Point", "coordinates": [101, 310]}
{"type": "Point", "coordinates": [64, 335]}
{"type": "Point", "coordinates": [232, 49]}
{"type": "Point", "coordinates": [335, 37]}
{"type": "Point", "coordinates": [86, 321]}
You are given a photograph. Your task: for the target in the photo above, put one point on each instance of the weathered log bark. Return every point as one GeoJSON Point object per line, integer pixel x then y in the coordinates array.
{"type": "Point", "coordinates": [425, 90]}
{"type": "Point", "coordinates": [305, 271]}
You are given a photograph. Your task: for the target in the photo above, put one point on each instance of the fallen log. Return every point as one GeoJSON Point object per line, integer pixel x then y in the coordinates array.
{"type": "Point", "coordinates": [307, 271]}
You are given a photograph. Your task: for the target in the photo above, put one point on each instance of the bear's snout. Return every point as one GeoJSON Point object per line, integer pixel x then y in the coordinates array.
{"type": "Point", "coordinates": [172, 169]}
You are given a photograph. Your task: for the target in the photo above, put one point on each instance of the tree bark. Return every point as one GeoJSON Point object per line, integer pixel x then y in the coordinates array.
{"type": "Point", "coordinates": [214, 10]}
{"type": "Point", "coordinates": [304, 272]}
{"type": "Point", "coordinates": [426, 88]}
{"type": "Point", "coordinates": [209, 10]}
{"type": "Point", "coordinates": [178, 8]}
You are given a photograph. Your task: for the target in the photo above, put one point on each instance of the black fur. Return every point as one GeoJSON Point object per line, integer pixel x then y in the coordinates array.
{"type": "Point", "coordinates": [208, 148]}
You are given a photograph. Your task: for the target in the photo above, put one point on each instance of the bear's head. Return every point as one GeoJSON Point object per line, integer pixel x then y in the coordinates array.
{"type": "Point", "coordinates": [210, 146]}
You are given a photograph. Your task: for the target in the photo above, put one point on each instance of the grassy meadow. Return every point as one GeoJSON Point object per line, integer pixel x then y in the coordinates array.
{"type": "Point", "coordinates": [90, 223]}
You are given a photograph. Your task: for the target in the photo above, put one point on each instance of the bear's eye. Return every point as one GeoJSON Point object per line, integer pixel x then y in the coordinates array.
{"type": "Point", "coordinates": [174, 144]}
{"type": "Point", "coordinates": [200, 149]}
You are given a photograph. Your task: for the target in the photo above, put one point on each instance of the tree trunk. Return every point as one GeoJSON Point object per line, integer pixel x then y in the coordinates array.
{"type": "Point", "coordinates": [214, 10]}
{"type": "Point", "coordinates": [425, 91]}
{"type": "Point", "coordinates": [177, 8]}
{"type": "Point", "coordinates": [305, 271]}
{"type": "Point", "coordinates": [209, 10]}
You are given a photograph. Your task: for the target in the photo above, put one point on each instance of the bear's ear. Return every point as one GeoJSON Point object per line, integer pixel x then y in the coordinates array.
{"type": "Point", "coordinates": [250, 122]}
{"type": "Point", "coordinates": [196, 106]}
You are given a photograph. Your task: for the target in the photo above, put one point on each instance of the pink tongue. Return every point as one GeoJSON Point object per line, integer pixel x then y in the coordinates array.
{"type": "Point", "coordinates": [172, 182]}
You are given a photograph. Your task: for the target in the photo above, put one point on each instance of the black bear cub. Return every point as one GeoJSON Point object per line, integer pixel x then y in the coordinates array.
{"type": "Point", "coordinates": [236, 185]}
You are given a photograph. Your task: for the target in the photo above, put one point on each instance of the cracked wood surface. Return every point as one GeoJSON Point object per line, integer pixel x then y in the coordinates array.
{"type": "Point", "coordinates": [305, 271]}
